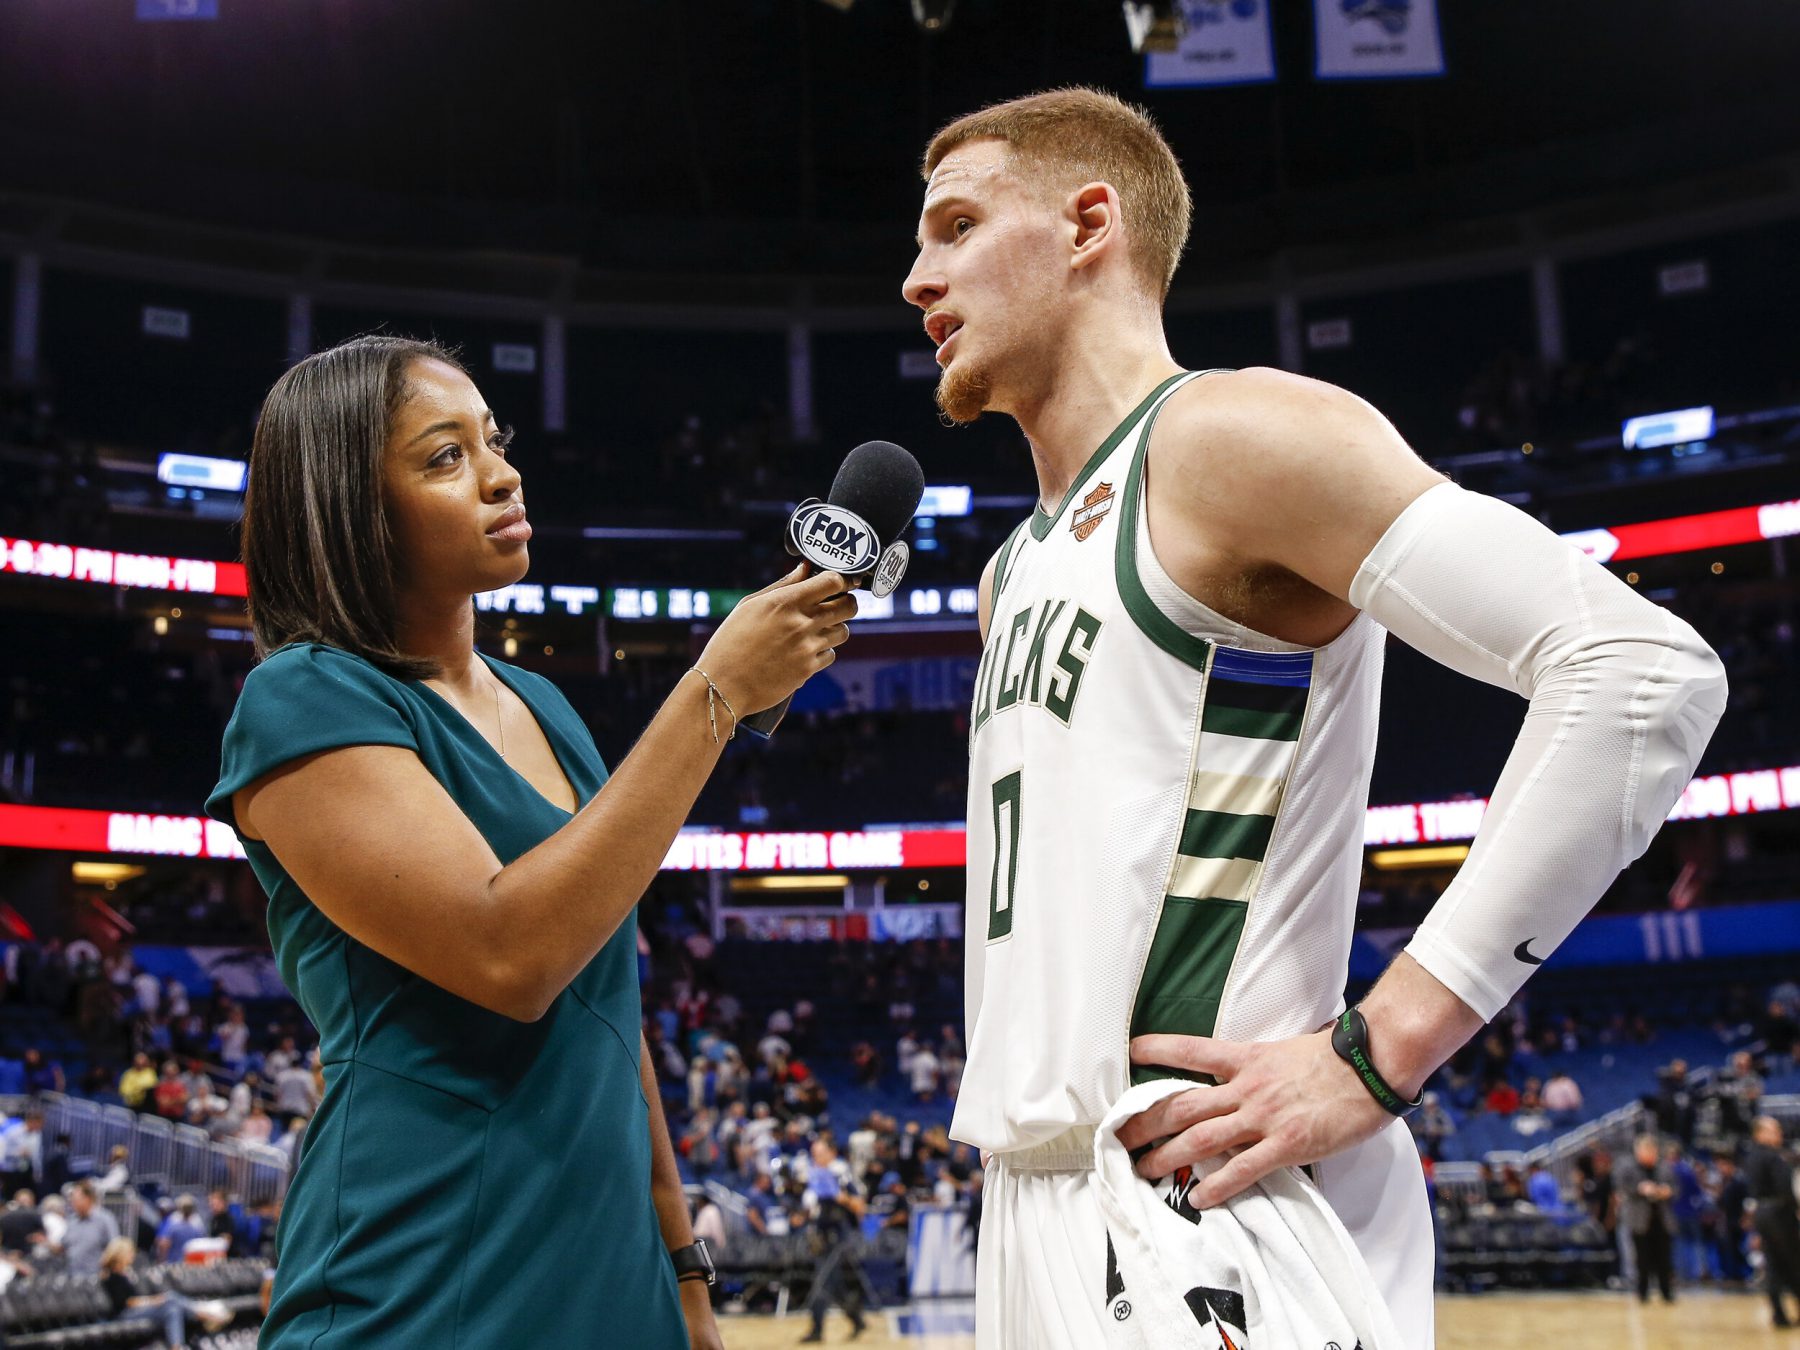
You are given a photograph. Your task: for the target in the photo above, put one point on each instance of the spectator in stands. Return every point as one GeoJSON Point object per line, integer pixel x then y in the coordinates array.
{"type": "Point", "coordinates": [171, 1309]}
{"type": "Point", "coordinates": [285, 1055]}
{"type": "Point", "coordinates": [290, 1142]}
{"type": "Point", "coordinates": [295, 1094]}
{"type": "Point", "coordinates": [181, 1227]}
{"type": "Point", "coordinates": [1730, 1209]}
{"type": "Point", "coordinates": [147, 989]}
{"type": "Point", "coordinates": [1769, 1179]}
{"type": "Point", "coordinates": [774, 1046]}
{"type": "Point", "coordinates": [924, 1075]}
{"type": "Point", "coordinates": [1502, 1098]}
{"type": "Point", "coordinates": [804, 1093]}
{"type": "Point", "coordinates": [761, 1202]}
{"type": "Point", "coordinates": [137, 1082]}
{"type": "Point", "coordinates": [1690, 1206]}
{"type": "Point", "coordinates": [1431, 1126]}
{"type": "Point", "coordinates": [21, 1225]}
{"type": "Point", "coordinates": [1562, 1099]}
{"type": "Point", "coordinates": [234, 1040]}
{"type": "Point", "coordinates": [117, 1176]}
{"type": "Point", "coordinates": [891, 1202]}
{"type": "Point", "coordinates": [221, 1223]}
{"type": "Point", "coordinates": [258, 1127]}
{"type": "Point", "coordinates": [709, 1223]}
{"type": "Point", "coordinates": [802, 1033]}
{"type": "Point", "coordinates": [1646, 1185]}
{"type": "Point", "coordinates": [22, 1151]}
{"type": "Point", "coordinates": [699, 1145]}
{"type": "Point", "coordinates": [54, 1213]}
{"type": "Point", "coordinates": [1739, 1091]}
{"type": "Point", "coordinates": [1600, 1197]}
{"type": "Point", "coordinates": [1674, 1102]}
{"type": "Point", "coordinates": [171, 1095]}
{"type": "Point", "coordinates": [1541, 1189]}
{"type": "Point", "coordinates": [57, 1171]}
{"type": "Point", "coordinates": [866, 1063]}
{"type": "Point", "coordinates": [906, 1049]}
{"type": "Point", "coordinates": [43, 1075]}
{"type": "Point", "coordinates": [1780, 1035]}
{"type": "Point", "coordinates": [89, 1230]}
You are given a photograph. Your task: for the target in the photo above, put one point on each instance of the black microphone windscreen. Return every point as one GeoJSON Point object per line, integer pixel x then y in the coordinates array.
{"type": "Point", "coordinates": [881, 483]}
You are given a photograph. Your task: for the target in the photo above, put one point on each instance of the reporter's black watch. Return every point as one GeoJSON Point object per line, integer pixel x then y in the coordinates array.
{"type": "Point", "coordinates": [694, 1262]}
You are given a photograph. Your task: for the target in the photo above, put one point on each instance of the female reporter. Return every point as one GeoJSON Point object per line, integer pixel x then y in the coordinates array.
{"type": "Point", "coordinates": [452, 883]}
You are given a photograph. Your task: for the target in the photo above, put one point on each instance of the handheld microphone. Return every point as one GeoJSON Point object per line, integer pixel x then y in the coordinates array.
{"type": "Point", "coordinates": [855, 531]}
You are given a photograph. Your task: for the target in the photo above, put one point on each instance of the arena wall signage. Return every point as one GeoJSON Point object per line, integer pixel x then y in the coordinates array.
{"type": "Point", "coordinates": [70, 562]}
{"type": "Point", "coordinates": [122, 832]}
{"type": "Point", "coordinates": [1663, 937]}
{"type": "Point", "coordinates": [67, 562]}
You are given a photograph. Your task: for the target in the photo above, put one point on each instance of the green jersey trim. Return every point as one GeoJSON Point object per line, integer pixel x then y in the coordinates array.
{"type": "Point", "coordinates": [1157, 626]}
{"type": "Point", "coordinates": [1252, 710]}
{"type": "Point", "coordinates": [1007, 550]}
{"type": "Point", "coordinates": [1184, 978]}
{"type": "Point", "coordinates": [1042, 524]}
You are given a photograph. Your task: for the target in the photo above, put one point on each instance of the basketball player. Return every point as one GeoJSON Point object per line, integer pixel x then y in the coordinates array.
{"type": "Point", "coordinates": [1174, 725]}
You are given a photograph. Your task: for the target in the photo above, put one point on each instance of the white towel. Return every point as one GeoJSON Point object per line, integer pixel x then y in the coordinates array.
{"type": "Point", "coordinates": [1271, 1269]}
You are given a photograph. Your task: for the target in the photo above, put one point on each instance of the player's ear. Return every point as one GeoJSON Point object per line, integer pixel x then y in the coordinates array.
{"type": "Point", "coordinates": [1093, 211]}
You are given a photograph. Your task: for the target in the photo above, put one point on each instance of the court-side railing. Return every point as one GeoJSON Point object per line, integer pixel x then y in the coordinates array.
{"type": "Point", "coordinates": [168, 1156]}
{"type": "Point", "coordinates": [1613, 1131]}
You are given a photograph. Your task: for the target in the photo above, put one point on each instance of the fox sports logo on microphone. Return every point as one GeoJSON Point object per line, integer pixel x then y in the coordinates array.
{"type": "Point", "coordinates": [832, 538]}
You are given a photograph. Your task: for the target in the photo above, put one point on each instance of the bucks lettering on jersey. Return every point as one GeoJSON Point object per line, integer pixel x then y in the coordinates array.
{"type": "Point", "coordinates": [1165, 813]}
{"type": "Point", "coordinates": [1036, 660]}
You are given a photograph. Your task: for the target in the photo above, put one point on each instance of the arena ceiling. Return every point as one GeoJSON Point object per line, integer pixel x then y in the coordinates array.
{"type": "Point", "coordinates": [783, 135]}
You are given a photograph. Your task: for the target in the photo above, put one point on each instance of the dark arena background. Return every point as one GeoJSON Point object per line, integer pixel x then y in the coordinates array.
{"type": "Point", "coordinates": [1557, 244]}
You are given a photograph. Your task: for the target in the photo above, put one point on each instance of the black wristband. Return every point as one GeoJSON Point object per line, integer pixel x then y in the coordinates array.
{"type": "Point", "coordinates": [1350, 1038]}
{"type": "Point", "coordinates": [694, 1262]}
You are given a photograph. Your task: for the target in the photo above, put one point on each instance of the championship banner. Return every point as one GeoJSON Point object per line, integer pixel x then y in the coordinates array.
{"type": "Point", "coordinates": [1226, 42]}
{"type": "Point", "coordinates": [1376, 39]}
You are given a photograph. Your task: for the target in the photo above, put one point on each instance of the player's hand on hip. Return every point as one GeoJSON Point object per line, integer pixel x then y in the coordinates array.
{"type": "Point", "coordinates": [778, 638]}
{"type": "Point", "coordinates": [1276, 1104]}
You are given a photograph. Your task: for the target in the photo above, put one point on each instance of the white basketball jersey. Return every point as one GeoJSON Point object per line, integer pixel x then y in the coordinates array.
{"type": "Point", "coordinates": [1165, 813]}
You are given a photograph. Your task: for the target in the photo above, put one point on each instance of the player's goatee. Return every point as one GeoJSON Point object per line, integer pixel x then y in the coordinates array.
{"type": "Point", "coordinates": [962, 395]}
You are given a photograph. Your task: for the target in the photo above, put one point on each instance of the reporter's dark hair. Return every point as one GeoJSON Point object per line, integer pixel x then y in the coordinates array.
{"type": "Point", "coordinates": [319, 554]}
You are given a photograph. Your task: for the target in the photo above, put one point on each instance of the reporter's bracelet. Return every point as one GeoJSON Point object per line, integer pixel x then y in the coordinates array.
{"type": "Point", "coordinates": [712, 692]}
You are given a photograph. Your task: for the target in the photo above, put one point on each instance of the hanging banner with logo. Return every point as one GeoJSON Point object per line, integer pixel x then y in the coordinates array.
{"type": "Point", "coordinates": [1227, 42]}
{"type": "Point", "coordinates": [1376, 39]}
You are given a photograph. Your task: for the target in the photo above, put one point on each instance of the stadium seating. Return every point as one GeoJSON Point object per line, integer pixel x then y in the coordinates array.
{"type": "Point", "coordinates": [72, 1310]}
{"type": "Point", "coordinates": [1524, 1251]}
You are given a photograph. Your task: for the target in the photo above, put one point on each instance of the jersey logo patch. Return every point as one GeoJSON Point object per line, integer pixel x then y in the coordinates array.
{"type": "Point", "coordinates": [1092, 511]}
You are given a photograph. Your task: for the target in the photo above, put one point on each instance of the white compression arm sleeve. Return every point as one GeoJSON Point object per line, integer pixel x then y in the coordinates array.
{"type": "Point", "coordinates": [1624, 697]}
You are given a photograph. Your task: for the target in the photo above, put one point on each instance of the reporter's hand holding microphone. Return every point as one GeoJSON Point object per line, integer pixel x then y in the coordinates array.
{"type": "Point", "coordinates": [774, 641]}
{"type": "Point", "coordinates": [852, 537]}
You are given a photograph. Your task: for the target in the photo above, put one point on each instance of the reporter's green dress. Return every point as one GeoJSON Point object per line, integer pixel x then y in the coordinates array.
{"type": "Point", "coordinates": [469, 1181]}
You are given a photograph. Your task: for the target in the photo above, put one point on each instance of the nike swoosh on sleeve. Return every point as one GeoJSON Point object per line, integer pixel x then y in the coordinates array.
{"type": "Point", "coordinates": [1523, 952]}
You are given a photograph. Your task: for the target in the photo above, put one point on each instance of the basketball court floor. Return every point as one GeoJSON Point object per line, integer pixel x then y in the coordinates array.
{"type": "Point", "coordinates": [1594, 1321]}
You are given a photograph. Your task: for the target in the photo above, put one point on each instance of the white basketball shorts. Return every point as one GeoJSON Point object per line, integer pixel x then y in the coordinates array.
{"type": "Point", "coordinates": [1047, 1277]}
